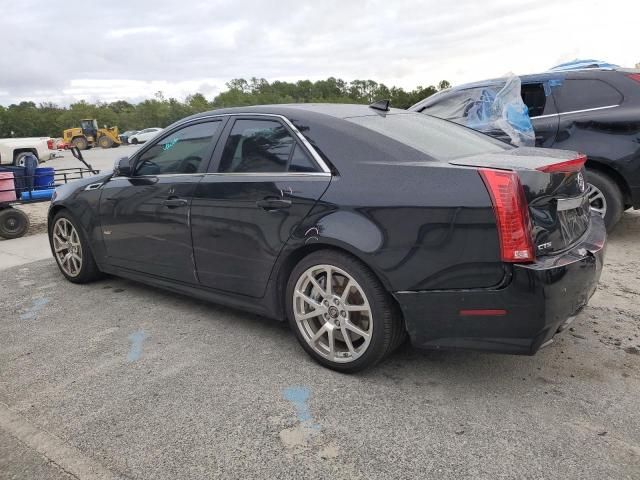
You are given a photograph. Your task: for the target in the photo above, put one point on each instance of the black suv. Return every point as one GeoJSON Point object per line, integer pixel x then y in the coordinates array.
{"type": "Point", "coordinates": [592, 111]}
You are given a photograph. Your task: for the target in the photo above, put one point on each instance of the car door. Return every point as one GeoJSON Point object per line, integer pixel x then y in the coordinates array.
{"type": "Point", "coordinates": [145, 217]}
{"type": "Point", "coordinates": [262, 183]}
{"type": "Point", "coordinates": [542, 112]}
{"type": "Point", "coordinates": [585, 106]}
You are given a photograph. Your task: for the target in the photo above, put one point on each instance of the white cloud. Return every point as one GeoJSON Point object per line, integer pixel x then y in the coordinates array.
{"type": "Point", "coordinates": [126, 32]}
{"type": "Point", "coordinates": [134, 49]}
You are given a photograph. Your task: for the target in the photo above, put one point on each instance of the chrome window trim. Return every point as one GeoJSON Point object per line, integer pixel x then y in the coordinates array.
{"type": "Point", "coordinates": [574, 111]}
{"type": "Point", "coordinates": [234, 174]}
{"type": "Point", "coordinates": [271, 174]}
{"type": "Point", "coordinates": [316, 156]}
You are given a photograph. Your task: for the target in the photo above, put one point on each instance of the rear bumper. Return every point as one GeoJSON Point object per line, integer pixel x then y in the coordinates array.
{"type": "Point", "coordinates": [538, 298]}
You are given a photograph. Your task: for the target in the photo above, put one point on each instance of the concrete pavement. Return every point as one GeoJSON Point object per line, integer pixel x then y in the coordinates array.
{"type": "Point", "coordinates": [20, 251]}
{"type": "Point", "coordinates": [119, 380]}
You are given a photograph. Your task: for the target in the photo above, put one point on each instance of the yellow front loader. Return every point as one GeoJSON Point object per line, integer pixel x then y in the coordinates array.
{"type": "Point", "coordinates": [89, 135]}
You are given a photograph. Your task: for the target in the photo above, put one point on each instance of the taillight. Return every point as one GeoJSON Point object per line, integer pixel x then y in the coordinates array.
{"type": "Point", "coordinates": [634, 76]}
{"type": "Point", "coordinates": [512, 214]}
{"type": "Point", "coordinates": [568, 166]}
{"type": "Point", "coordinates": [50, 144]}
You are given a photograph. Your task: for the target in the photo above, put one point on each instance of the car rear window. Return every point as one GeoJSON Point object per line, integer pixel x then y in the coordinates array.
{"type": "Point", "coordinates": [582, 94]}
{"type": "Point", "coordinates": [437, 138]}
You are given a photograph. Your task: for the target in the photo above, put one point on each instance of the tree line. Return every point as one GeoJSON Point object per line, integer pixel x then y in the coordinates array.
{"type": "Point", "coordinates": [27, 119]}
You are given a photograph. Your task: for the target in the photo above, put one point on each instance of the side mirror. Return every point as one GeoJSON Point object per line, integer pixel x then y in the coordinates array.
{"type": "Point", "coordinates": [122, 167]}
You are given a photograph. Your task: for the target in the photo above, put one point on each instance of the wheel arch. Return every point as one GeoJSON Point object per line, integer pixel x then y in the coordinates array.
{"type": "Point", "coordinates": [18, 151]}
{"type": "Point", "coordinates": [290, 259]}
{"type": "Point", "coordinates": [614, 175]}
{"type": "Point", "coordinates": [55, 209]}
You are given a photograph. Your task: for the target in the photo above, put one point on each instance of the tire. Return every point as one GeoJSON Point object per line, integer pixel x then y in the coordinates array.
{"type": "Point", "coordinates": [381, 323]}
{"type": "Point", "coordinates": [134, 141]}
{"type": "Point", "coordinates": [105, 142]}
{"type": "Point", "coordinates": [80, 142]}
{"type": "Point", "coordinates": [83, 270]}
{"type": "Point", "coordinates": [19, 160]}
{"type": "Point", "coordinates": [605, 197]}
{"type": "Point", "coordinates": [14, 223]}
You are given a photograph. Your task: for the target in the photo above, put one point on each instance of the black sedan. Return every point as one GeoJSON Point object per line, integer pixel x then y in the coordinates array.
{"type": "Point", "coordinates": [358, 224]}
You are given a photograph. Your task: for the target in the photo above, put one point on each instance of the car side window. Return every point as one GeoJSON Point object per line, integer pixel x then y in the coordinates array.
{"type": "Point", "coordinates": [263, 146]}
{"type": "Point", "coordinates": [452, 107]}
{"type": "Point", "coordinates": [183, 151]}
{"type": "Point", "coordinates": [582, 94]}
{"type": "Point", "coordinates": [534, 98]}
{"type": "Point", "coordinates": [456, 107]}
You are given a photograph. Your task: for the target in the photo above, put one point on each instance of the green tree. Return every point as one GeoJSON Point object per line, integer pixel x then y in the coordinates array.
{"type": "Point", "coordinates": [28, 119]}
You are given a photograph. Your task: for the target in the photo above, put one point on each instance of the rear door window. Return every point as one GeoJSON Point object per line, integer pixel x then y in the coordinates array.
{"type": "Point", "coordinates": [263, 146]}
{"type": "Point", "coordinates": [583, 94]}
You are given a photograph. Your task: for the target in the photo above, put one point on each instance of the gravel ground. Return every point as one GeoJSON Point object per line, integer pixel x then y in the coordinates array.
{"type": "Point", "coordinates": [119, 380]}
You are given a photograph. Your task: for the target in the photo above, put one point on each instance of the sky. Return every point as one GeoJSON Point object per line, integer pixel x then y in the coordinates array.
{"type": "Point", "coordinates": [130, 50]}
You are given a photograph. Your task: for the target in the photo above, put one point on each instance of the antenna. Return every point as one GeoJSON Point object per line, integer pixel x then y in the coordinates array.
{"type": "Point", "coordinates": [381, 105]}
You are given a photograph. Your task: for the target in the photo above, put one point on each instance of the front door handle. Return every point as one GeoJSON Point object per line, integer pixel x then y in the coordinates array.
{"type": "Point", "coordinates": [175, 202]}
{"type": "Point", "coordinates": [273, 203]}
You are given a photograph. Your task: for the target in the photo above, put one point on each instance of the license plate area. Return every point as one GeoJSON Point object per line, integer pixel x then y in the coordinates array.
{"type": "Point", "coordinates": [573, 218]}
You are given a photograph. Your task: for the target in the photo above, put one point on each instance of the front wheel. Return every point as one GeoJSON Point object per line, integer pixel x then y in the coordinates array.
{"type": "Point", "coordinates": [605, 198]}
{"type": "Point", "coordinates": [134, 141]}
{"type": "Point", "coordinates": [341, 314]}
{"type": "Point", "coordinates": [105, 142]}
{"type": "Point", "coordinates": [71, 250]}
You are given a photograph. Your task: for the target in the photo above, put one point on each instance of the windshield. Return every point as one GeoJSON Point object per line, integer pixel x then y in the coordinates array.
{"type": "Point", "coordinates": [437, 138]}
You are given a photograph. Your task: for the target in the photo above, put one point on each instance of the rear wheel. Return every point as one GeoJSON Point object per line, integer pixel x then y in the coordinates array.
{"type": "Point", "coordinates": [105, 142]}
{"type": "Point", "coordinates": [71, 250]}
{"type": "Point", "coordinates": [341, 314]}
{"type": "Point", "coordinates": [80, 143]}
{"type": "Point", "coordinates": [605, 197]}
{"type": "Point", "coordinates": [14, 223]}
{"type": "Point", "coordinates": [20, 158]}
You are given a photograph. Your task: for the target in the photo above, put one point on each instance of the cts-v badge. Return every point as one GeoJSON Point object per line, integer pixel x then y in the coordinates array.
{"type": "Point", "coordinates": [581, 183]}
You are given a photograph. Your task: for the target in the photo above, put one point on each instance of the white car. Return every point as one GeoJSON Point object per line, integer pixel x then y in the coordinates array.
{"type": "Point", "coordinates": [13, 150]}
{"type": "Point", "coordinates": [144, 135]}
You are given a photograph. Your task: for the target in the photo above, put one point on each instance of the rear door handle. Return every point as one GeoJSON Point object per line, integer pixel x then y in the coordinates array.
{"type": "Point", "coordinates": [175, 202]}
{"type": "Point", "coordinates": [273, 203]}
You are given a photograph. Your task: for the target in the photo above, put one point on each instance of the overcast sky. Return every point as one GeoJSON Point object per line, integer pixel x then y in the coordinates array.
{"type": "Point", "coordinates": [129, 50]}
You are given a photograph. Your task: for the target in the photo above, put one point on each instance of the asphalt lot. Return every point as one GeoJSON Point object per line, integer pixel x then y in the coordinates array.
{"type": "Point", "coordinates": [119, 380]}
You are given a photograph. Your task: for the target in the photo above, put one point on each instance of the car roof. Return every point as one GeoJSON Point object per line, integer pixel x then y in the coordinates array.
{"type": "Point", "coordinates": [560, 76]}
{"type": "Point", "coordinates": [539, 77]}
{"type": "Point", "coordinates": [302, 110]}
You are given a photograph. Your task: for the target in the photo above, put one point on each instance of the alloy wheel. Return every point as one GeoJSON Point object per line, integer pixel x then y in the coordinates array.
{"type": "Point", "coordinates": [597, 200]}
{"type": "Point", "coordinates": [333, 313]}
{"type": "Point", "coordinates": [66, 247]}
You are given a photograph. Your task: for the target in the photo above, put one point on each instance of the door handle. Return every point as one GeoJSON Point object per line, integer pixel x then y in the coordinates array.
{"type": "Point", "coordinates": [273, 203]}
{"type": "Point", "coordinates": [175, 202]}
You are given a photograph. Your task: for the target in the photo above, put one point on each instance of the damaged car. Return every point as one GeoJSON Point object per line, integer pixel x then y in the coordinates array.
{"type": "Point", "coordinates": [360, 225]}
{"type": "Point", "coordinates": [588, 107]}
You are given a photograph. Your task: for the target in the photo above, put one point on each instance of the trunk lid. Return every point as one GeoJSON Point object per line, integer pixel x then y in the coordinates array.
{"type": "Point", "coordinates": [555, 190]}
